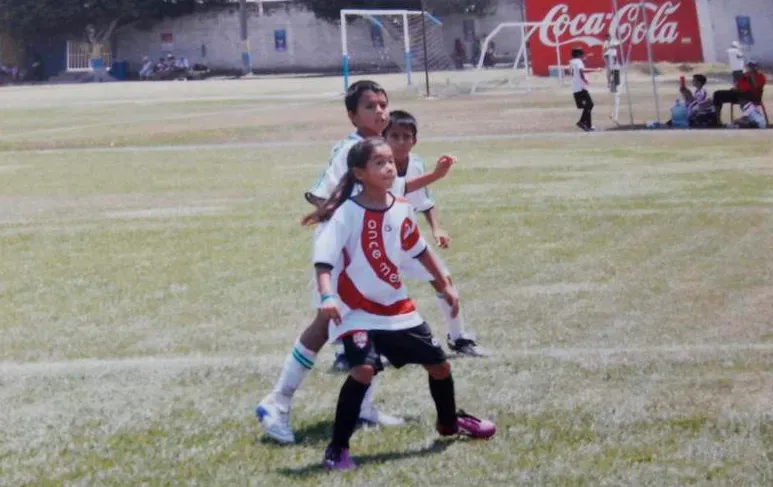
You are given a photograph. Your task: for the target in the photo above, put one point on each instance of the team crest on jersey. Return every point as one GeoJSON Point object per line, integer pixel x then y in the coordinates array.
{"type": "Point", "coordinates": [360, 339]}
{"type": "Point", "coordinates": [409, 234]}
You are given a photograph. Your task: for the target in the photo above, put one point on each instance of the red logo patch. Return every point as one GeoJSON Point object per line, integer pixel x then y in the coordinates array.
{"type": "Point", "coordinates": [360, 339]}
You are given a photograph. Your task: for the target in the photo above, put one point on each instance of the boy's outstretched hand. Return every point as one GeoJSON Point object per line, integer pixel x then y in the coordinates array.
{"type": "Point", "coordinates": [444, 165]}
{"type": "Point", "coordinates": [442, 239]}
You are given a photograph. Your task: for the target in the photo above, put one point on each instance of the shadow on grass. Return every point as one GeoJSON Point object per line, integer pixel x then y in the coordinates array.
{"type": "Point", "coordinates": [439, 446]}
{"type": "Point", "coordinates": [319, 433]}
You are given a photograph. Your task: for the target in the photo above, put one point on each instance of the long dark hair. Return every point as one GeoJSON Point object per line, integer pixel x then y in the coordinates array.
{"type": "Point", "coordinates": [358, 157]}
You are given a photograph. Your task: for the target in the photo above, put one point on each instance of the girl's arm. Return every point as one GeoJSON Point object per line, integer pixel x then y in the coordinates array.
{"type": "Point", "coordinates": [328, 300]}
{"type": "Point", "coordinates": [441, 170]}
{"type": "Point", "coordinates": [430, 263]}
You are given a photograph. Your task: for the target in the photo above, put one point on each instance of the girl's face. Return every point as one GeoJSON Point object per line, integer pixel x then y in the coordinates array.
{"type": "Point", "coordinates": [401, 140]}
{"type": "Point", "coordinates": [380, 171]}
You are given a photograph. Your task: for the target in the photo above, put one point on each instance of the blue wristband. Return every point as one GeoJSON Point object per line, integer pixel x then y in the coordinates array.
{"type": "Point", "coordinates": [326, 297]}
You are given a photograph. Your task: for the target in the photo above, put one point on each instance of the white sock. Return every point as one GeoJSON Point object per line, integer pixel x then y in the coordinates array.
{"type": "Point", "coordinates": [367, 401]}
{"type": "Point", "coordinates": [455, 325]}
{"type": "Point", "coordinates": [296, 367]}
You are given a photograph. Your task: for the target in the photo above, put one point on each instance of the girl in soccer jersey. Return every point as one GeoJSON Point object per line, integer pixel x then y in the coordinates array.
{"type": "Point", "coordinates": [367, 303]}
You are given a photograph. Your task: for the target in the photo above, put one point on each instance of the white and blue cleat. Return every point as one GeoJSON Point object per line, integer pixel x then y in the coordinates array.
{"type": "Point", "coordinates": [275, 419]}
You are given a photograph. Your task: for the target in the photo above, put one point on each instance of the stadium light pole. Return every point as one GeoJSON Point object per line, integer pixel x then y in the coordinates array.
{"type": "Point", "coordinates": [424, 36]}
{"type": "Point", "coordinates": [246, 62]}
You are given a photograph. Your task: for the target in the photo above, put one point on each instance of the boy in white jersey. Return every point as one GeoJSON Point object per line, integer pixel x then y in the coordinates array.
{"type": "Point", "coordinates": [367, 106]}
{"type": "Point", "coordinates": [580, 84]}
{"type": "Point", "coordinates": [401, 135]}
{"type": "Point", "coordinates": [366, 301]}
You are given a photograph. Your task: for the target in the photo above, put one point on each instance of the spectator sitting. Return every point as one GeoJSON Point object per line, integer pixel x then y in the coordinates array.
{"type": "Point", "coordinates": [700, 108]}
{"type": "Point", "coordinates": [752, 117]}
{"type": "Point", "coordinates": [749, 87]}
{"type": "Point", "coordinates": [182, 64]}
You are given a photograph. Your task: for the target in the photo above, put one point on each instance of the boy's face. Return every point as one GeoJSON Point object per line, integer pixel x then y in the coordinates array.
{"type": "Point", "coordinates": [697, 84]}
{"type": "Point", "coordinates": [401, 140]}
{"type": "Point", "coordinates": [372, 115]}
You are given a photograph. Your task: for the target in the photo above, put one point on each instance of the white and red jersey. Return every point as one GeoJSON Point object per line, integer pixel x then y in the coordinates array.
{"type": "Point", "coordinates": [374, 245]}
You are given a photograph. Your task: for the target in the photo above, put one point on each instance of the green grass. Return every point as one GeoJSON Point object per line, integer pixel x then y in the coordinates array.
{"type": "Point", "coordinates": [149, 295]}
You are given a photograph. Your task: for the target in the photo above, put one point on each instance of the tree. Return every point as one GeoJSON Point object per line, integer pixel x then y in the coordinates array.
{"type": "Point", "coordinates": [96, 19]}
{"type": "Point", "coordinates": [331, 9]}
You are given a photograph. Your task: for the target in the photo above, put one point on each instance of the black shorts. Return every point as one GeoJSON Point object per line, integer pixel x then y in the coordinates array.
{"type": "Point", "coordinates": [402, 347]}
{"type": "Point", "coordinates": [583, 99]}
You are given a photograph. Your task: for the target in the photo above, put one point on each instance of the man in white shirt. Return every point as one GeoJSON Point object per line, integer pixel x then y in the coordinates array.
{"type": "Point", "coordinates": [612, 59]}
{"type": "Point", "coordinates": [737, 60]}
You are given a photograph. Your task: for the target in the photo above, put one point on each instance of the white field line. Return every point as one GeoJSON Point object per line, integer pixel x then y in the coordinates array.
{"type": "Point", "coordinates": [443, 138]}
{"type": "Point", "coordinates": [12, 368]}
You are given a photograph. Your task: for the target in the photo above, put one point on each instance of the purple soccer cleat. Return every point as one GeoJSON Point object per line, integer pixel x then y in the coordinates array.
{"type": "Point", "coordinates": [338, 460]}
{"type": "Point", "coordinates": [468, 425]}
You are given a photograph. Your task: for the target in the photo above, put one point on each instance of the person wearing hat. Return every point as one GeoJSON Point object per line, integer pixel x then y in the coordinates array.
{"type": "Point", "coordinates": [736, 58]}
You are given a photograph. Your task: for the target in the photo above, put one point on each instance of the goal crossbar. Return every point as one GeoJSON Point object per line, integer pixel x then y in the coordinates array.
{"type": "Point", "coordinates": [371, 15]}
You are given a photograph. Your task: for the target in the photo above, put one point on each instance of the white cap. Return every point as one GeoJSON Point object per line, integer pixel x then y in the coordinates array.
{"type": "Point", "coordinates": [735, 44]}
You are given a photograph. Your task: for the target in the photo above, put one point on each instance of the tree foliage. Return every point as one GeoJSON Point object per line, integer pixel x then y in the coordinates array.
{"type": "Point", "coordinates": [35, 18]}
{"type": "Point", "coordinates": [331, 9]}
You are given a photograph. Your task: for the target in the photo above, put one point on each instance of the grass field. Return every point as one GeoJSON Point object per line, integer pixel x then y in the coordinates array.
{"type": "Point", "coordinates": [153, 276]}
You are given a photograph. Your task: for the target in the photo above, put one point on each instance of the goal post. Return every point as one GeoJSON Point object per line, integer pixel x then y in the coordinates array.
{"type": "Point", "coordinates": [405, 31]}
{"type": "Point", "coordinates": [519, 73]}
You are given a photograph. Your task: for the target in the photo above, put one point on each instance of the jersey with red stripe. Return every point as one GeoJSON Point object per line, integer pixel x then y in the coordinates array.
{"type": "Point", "coordinates": [374, 244]}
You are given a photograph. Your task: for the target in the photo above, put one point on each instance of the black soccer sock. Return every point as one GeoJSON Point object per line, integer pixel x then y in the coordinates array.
{"type": "Point", "coordinates": [347, 412]}
{"type": "Point", "coordinates": [445, 400]}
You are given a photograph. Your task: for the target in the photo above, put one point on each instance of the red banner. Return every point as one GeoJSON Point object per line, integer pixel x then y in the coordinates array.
{"type": "Point", "coordinates": [674, 31]}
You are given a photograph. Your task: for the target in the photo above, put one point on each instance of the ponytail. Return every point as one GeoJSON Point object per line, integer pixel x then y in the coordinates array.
{"type": "Point", "coordinates": [340, 194]}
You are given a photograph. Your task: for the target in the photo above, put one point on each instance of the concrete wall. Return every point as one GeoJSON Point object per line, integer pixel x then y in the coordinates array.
{"type": "Point", "coordinates": [214, 39]}
{"type": "Point", "coordinates": [718, 27]}
{"type": "Point", "coordinates": [312, 45]}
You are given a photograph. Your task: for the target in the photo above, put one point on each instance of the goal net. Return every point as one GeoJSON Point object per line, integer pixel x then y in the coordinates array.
{"type": "Point", "coordinates": [392, 41]}
{"type": "Point", "coordinates": [504, 62]}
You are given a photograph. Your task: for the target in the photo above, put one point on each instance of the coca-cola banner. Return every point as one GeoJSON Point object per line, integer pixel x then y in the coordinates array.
{"type": "Point", "coordinates": [674, 31]}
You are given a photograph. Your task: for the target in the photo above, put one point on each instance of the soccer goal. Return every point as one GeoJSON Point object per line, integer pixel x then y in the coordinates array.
{"type": "Point", "coordinates": [504, 61]}
{"type": "Point", "coordinates": [383, 41]}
